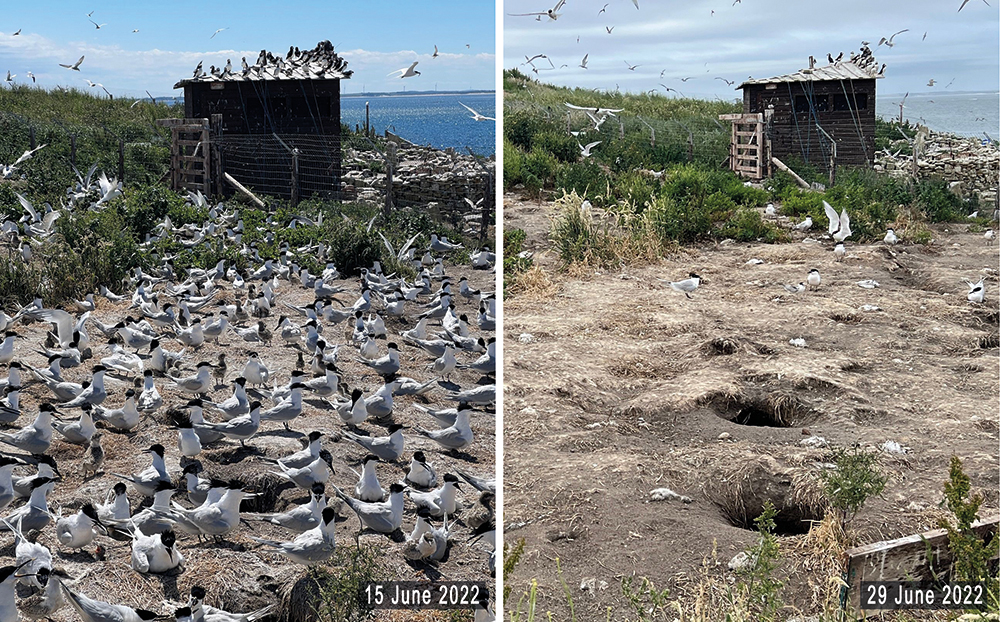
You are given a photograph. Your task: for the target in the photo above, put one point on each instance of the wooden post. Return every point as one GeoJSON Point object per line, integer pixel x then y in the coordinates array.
{"type": "Point", "coordinates": [484, 219]}
{"type": "Point", "coordinates": [833, 163]}
{"type": "Point", "coordinates": [781, 166]}
{"type": "Point", "coordinates": [31, 136]}
{"type": "Point", "coordinates": [368, 127]}
{"type": "Point", "coordinates": [72, 149]}
{"type": "Point", "coordinates": [904, 559]}
{"type": "Point", "coordinates": [215, 126]}
{"type": "Point", "coordinates": [390, 163]}
{"type": "Point", "coordinates": [244, 190]}
{"type": "Point", "coordinates": [121, 160]}
{"type": "Point", "coordinates": [621, 130]}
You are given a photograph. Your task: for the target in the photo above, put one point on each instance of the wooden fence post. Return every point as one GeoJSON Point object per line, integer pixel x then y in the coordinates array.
{"type": "Point", "coordinates": [31, 136]}
{"type": "Point", "coordinates": [390, 163]}
{"type": "Point", "coordinates": [368, 127]}
{"type": "Point", "coordinates": [215, 127]}
{"type": "Point", "coordinates": [484, 219]}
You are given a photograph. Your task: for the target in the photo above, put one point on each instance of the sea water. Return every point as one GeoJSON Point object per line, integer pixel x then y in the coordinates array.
{"type": "Point", "coordinates": [964, 114]}
{"type": "Point", "coordinates": [435, 119]}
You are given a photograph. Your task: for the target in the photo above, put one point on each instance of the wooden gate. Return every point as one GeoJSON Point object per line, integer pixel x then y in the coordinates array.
{"type": "Point", "coordinates": [190, 154]}
{"type": "Point", "coordinates": [749, 152]}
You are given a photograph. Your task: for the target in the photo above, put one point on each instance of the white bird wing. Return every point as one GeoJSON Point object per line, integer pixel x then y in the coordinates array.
{"type": "Point", "coordinates": [526, 14]}
{"type": "Point", "coordinates": [29, 207]}
{"type": "Point", "coordinates": [82, 321]}
{"type": "Point", "coordinates": [62, 320]}
{"type": "Point", "coordinates": [832, 215]}
{"type": "Point", "coordinates": [27, 155]}
{"type": "Point", "coordinates": [845, 224]}
{"type": "Point", "coordinates": [50, 218]}
{"type": "Point", "coordinates": [592, 145]}
{"type": "Point", "coordinates": [408, 244]}
{"type": "Point", "coordinates": [388, 247]}
{"type": "Point", "coordinates": [467, 108]}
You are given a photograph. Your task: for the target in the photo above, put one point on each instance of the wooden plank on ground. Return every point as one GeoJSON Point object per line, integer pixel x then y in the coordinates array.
{"type": "Point", "coordinates": [243, 189]}
{"type": "Point", "coordinates": [781, 166]}
{"type": "Point", "coordinates": [905, 559]}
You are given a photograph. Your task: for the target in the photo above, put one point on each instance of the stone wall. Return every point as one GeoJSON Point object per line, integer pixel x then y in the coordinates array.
{"type": "Point", "coordinates": [970, 167]}
{"type": "Point", "coordinates": [423, 176]}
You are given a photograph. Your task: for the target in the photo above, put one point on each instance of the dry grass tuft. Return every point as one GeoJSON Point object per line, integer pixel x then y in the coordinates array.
{"type": "Point", "coordinates": [533, 284]}
{"type": "Point", "coordinates": [721, 346]}
{"type": "Point", "coordinates": [300, 598]}
{"type": "Point", "coordinates": [988, 342]}
{"type": "Point", "coordinates": [853, 366]}
{"type": "Point", "coordinates": [740, 490]}
{"type": "Point", "coordinates": [846, 318]}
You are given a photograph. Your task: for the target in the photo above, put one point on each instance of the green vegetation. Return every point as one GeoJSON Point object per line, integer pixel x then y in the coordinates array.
{"type": "Point", "coordinates": [513, 264]}
{"type": "Point", "coordinates": [97, 124]}
{"type": "Point", "coordinates": [91, 248]}
{"type": "Point", "coordinates": [658, 180]}
{"type": "Point", "coordinates": [971, 552]}
{"type": "Point", "coordinates": [341, 589]}
{"type": "Point", "coordinates": [855, 479]}
{"type": "Point", "coordinates": [540, 153]}
{"type": "Point", "coordinates": [648, 603]}
{"type": "Point", "coordinates": [756, 595]}
{"type": "Point", "coordinates": [511, 556]}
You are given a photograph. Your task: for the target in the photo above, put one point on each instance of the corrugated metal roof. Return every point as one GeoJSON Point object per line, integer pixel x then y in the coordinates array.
{"type": "Point", "coordinates": [846, 70]}
{"type": "Point", "coordinates": [319, 63]}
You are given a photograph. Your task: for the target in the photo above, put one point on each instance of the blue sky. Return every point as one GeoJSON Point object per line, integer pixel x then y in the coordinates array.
{"type": "Point", "coordinates": [762, 38]}
{"type": "Point", "coordinates": [376, 37]}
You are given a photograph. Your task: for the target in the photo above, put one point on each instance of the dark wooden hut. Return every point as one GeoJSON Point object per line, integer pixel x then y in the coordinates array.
{"type": "Point", "coordinates": [823, 115]}
{"type": "Point", "coordinates": [275, 123]}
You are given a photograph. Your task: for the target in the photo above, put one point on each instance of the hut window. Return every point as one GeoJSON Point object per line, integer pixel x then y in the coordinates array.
{"type": "Point", "coordinates": [821, 103]}
{"type": "Point", "coordinates": [859, 101]}
{"type": "Point", "coordinates": [323, 106]}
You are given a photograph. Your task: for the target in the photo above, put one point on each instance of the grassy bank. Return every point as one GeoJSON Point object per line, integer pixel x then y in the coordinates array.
{"type": "Point", "coordinates": [91, 248]}
{"type": "Point", "coordinates": [657, 177]}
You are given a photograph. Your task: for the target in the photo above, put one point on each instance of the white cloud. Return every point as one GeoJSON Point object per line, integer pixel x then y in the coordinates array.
{"type": "Point", "coordinates": [131, 72]}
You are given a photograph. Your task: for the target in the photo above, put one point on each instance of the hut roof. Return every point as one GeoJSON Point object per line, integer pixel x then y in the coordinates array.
{"type": "Point", "coordinates": [858, 67]}
{"type": "Point", "coordinates": [319, 63]}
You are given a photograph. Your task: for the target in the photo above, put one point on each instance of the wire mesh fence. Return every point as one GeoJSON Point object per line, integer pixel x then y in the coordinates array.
{"type": "Point", "coordinates": [452, 187]}
{"type": "Point", "coordinates": [289, 166]}
{"type": "Point", "coordinates": [137, 157]}
{"type": "Point", "coordinates": [691, 136]}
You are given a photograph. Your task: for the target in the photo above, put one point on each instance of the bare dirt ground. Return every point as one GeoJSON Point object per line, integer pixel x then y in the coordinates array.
{"type": "Point", "coordinates": [239, 575]}
{"type": "Point", "coordinates": [616, 385]}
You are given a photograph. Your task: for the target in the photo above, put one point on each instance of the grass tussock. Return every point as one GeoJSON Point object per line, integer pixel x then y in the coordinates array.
{"type": "Point", "coordinates": [532, 284]}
